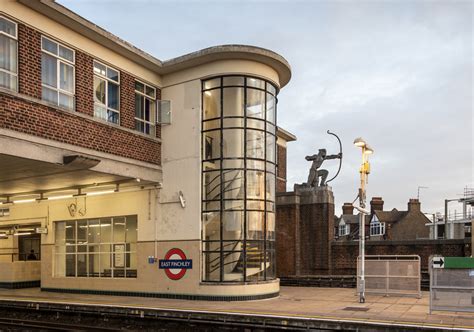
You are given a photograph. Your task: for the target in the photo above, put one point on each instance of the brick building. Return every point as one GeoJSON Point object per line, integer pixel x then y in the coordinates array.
{"type": "Point", "coordinates": [384, 225]}
{"type": "Point", "coordinates": [124, 174]}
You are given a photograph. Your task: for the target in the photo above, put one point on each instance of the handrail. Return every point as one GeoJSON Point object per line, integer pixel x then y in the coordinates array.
{"type": "Point", "coordinates": [227, 254]}
{"type": "Point", "coordinates": [219, 184]}
{"type": "Point", "coordinates": [218, 175]}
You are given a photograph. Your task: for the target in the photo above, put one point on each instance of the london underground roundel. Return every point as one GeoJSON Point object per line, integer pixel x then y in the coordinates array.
{"type": "Point", "coordinates": [175, 264]}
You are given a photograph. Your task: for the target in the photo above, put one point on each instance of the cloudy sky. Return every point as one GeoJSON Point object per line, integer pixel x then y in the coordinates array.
{"type": "Point", "coordinates": [398, 73]}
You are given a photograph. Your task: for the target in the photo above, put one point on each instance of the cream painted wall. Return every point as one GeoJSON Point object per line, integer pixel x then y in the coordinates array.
{"type": "Point", "coordinates": [181, 149]}
{"type": "Point", "coordinates": [75, 40]}
{"type": "Point", "coordinates": [141, 203]}
{"type": "Point", "coordinates": [181, 155]}
{"type": "Point", "coordinates": [243, 67]}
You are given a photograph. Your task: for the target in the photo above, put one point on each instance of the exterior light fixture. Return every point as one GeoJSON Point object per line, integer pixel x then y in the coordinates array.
{"type": "Point", "coordinates": [359, 141]}
{"type": "Point", "coordinates": [364, 173]}
{"type": "Point", "coordinates": [368, 149]}
{"type": "Point", "coordinates": [20, 201]}
{"type": "Point", "coordinates": [97, 193]}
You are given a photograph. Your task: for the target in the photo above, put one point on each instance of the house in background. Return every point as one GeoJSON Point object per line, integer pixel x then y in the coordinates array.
{"type": "Point", "coordinates": [384, 225]}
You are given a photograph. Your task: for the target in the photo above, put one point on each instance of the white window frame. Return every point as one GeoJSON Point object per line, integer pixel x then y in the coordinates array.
{"type": "Point", "coordinates": [16, 39]}
{"type": "Point", "coordinates": [377, 228]}
{"type": "Point", "coordinates": [107, 80]}
{"type": "Point", "coordinates": [343, 229]}
{"type": "Point", "coordinates": [60, 60]}
{"type": "Point", "coordinates": [153, 112]}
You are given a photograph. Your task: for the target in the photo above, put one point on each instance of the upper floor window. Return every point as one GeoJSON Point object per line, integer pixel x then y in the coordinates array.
{"type": "Point", "coordinates": [377, 227]}
{"type": "Point", "coordinates": [57, 73]}
{"type": "Point", "coordinates": [145, 108]}
{"type": "Point", "coordinates": [106, 92]}
{"type": "Point", "coordinates": [8, 54]}
{"type": "Point", "coordinates": [343, 229]}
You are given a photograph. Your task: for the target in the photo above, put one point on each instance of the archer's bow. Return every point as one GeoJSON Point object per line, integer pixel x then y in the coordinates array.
{"type": "Point", "coordinates": [340, 160]}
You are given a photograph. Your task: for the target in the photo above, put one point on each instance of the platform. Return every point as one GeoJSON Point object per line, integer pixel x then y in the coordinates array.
{"type": "Point", "coordinates": [296, 307]}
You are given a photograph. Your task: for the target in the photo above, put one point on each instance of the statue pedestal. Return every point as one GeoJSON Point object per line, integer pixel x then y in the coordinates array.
{"type": "Point", "coordinates": [304, 231]}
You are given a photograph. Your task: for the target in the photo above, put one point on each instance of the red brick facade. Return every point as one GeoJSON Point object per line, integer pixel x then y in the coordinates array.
{"type": "Point", "coordinates": [281, 169]}
{"type": "Point", "coordinates": [127, 100]}
{"type": "Point", "coordinates": [304, 231]}
{"type": "Point", "coordinates": [344, 254]}
{"type": "Point", "coordinates": [24, 115]}
{"type": "Point", "coordinates": [84, 83]}
{"type": "Point", "coordinates": [305, 244]}
{"type": "Point", "coordinates": [67, 127]}
{"type": "Point", "coordinates": [29, 61]}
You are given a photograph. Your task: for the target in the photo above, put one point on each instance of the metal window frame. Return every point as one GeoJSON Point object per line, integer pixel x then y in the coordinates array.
{"type": "Point", "coordinates": [267, 172]}
{"type": "Point", "coordinates": [152, 112]}
{"type": "Point", "coordinates": [66, 62]}
{"type": "Point", "coordinates": [99, 253]}
{"type": "Point", "coordinates": [107, 81]}
{"type": "Point", "coordinates": [15, 38]}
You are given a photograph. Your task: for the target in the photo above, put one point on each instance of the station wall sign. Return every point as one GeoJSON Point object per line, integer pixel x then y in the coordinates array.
{"type": "Point", "coordinates": [175, 264]}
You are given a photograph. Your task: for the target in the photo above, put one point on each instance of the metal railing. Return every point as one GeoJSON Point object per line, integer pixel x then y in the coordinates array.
{"type": "Point", "coordinates": [391, 275]}
{"type": "Point", "coordinates": [451, 289]}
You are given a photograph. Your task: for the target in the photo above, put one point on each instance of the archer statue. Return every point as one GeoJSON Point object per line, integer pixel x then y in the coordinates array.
{"type": "Point", "coordinates": [315, 172]}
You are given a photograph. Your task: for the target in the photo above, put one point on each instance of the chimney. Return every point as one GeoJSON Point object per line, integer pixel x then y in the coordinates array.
{"type": "Point", "coordinates": [347, 208]}
{"type": "Point", "coordinates": [414, 205]}
{"type": "Point", "coordinates": [376, 204]}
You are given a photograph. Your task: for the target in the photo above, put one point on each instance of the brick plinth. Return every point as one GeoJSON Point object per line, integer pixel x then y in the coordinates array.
{"type": "Point", "coordinates": [304, 228]}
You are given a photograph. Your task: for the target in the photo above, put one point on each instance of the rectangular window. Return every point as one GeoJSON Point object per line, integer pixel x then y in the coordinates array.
{"type": "Point", "coordinates": [145, 108]}
{"type": "Point", "coordinates": [344, 230]}
{"type": "Point", "coordinates": [106, 92]}
{"type": "Point", "coordinates": [8, 54]}
{"type": "Point", "coordinates": [57, 73]}
{"type": "Point", "coordinates": [96, 248]}
{"type": "Point", "coordinates": [377, 228]}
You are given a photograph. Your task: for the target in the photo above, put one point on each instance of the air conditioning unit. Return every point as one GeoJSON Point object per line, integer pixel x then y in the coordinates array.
{"type": "Point", "coordinates": [164, 112]}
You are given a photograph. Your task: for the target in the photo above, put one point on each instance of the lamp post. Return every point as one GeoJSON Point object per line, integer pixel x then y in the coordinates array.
{"type": "Point", "coordinates": [364, 173]}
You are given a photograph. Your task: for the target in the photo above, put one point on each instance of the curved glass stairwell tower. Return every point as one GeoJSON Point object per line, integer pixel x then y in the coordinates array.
{"type": "Point", "coordinates": [238, 179]}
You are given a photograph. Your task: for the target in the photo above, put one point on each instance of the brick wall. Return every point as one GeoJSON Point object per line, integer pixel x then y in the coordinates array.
{"type": "Point", "coordinates": [344, 254]}
{"type": "Point", "coordinates": [127, 100]}
{"type": "Point", "coordinates": [304, 228]}
{"type": "Point", "coordinates": [29, 61]}
{"type": "Point", "coordinates": [286, 234]}
{"type": "Point", "coordinates": [84, 83]}
{"type": "Point", "coordinates": [281, 169]}
{"type": "Point", "coordinates": [34, 118]}
{"type": "Point", "coordinates": [47, 122]}
{"type": "Point", "coordinates": [317, 230]}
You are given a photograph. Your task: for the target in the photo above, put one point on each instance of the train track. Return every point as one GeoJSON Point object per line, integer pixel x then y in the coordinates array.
{"type": "Point", "coordinates": [37, 325]}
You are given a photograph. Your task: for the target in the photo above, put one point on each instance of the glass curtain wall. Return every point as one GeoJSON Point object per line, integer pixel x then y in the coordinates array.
{"type": "Point", "coordinates": [238, 178]}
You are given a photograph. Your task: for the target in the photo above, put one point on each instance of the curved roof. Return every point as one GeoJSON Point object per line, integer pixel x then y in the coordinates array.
{"type": "Point", "coordinates": [229, 52]}
{"type": "Point", "coordinates": [88, 29]}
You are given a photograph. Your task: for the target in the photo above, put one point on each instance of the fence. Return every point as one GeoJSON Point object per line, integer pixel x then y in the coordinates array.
{"type": "Point", "coordinates": [391, 275]}
{"type": "Point", "coordinates": [452, 284]}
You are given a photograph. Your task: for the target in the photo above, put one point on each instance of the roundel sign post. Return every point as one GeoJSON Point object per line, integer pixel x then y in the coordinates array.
{"type": "Point", "coordinates": [175, 264]}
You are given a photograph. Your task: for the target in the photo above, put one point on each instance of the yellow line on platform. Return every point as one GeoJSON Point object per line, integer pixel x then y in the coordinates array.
{"type": "Point", "coordinates": [260, 313]}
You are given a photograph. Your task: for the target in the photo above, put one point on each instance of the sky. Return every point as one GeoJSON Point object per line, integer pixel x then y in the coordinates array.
{"type": "Point", "coordinates": [397, 73]}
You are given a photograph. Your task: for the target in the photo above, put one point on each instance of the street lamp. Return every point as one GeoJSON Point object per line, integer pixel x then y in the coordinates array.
{"type": "Point", "coordinates": [364, 173]}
